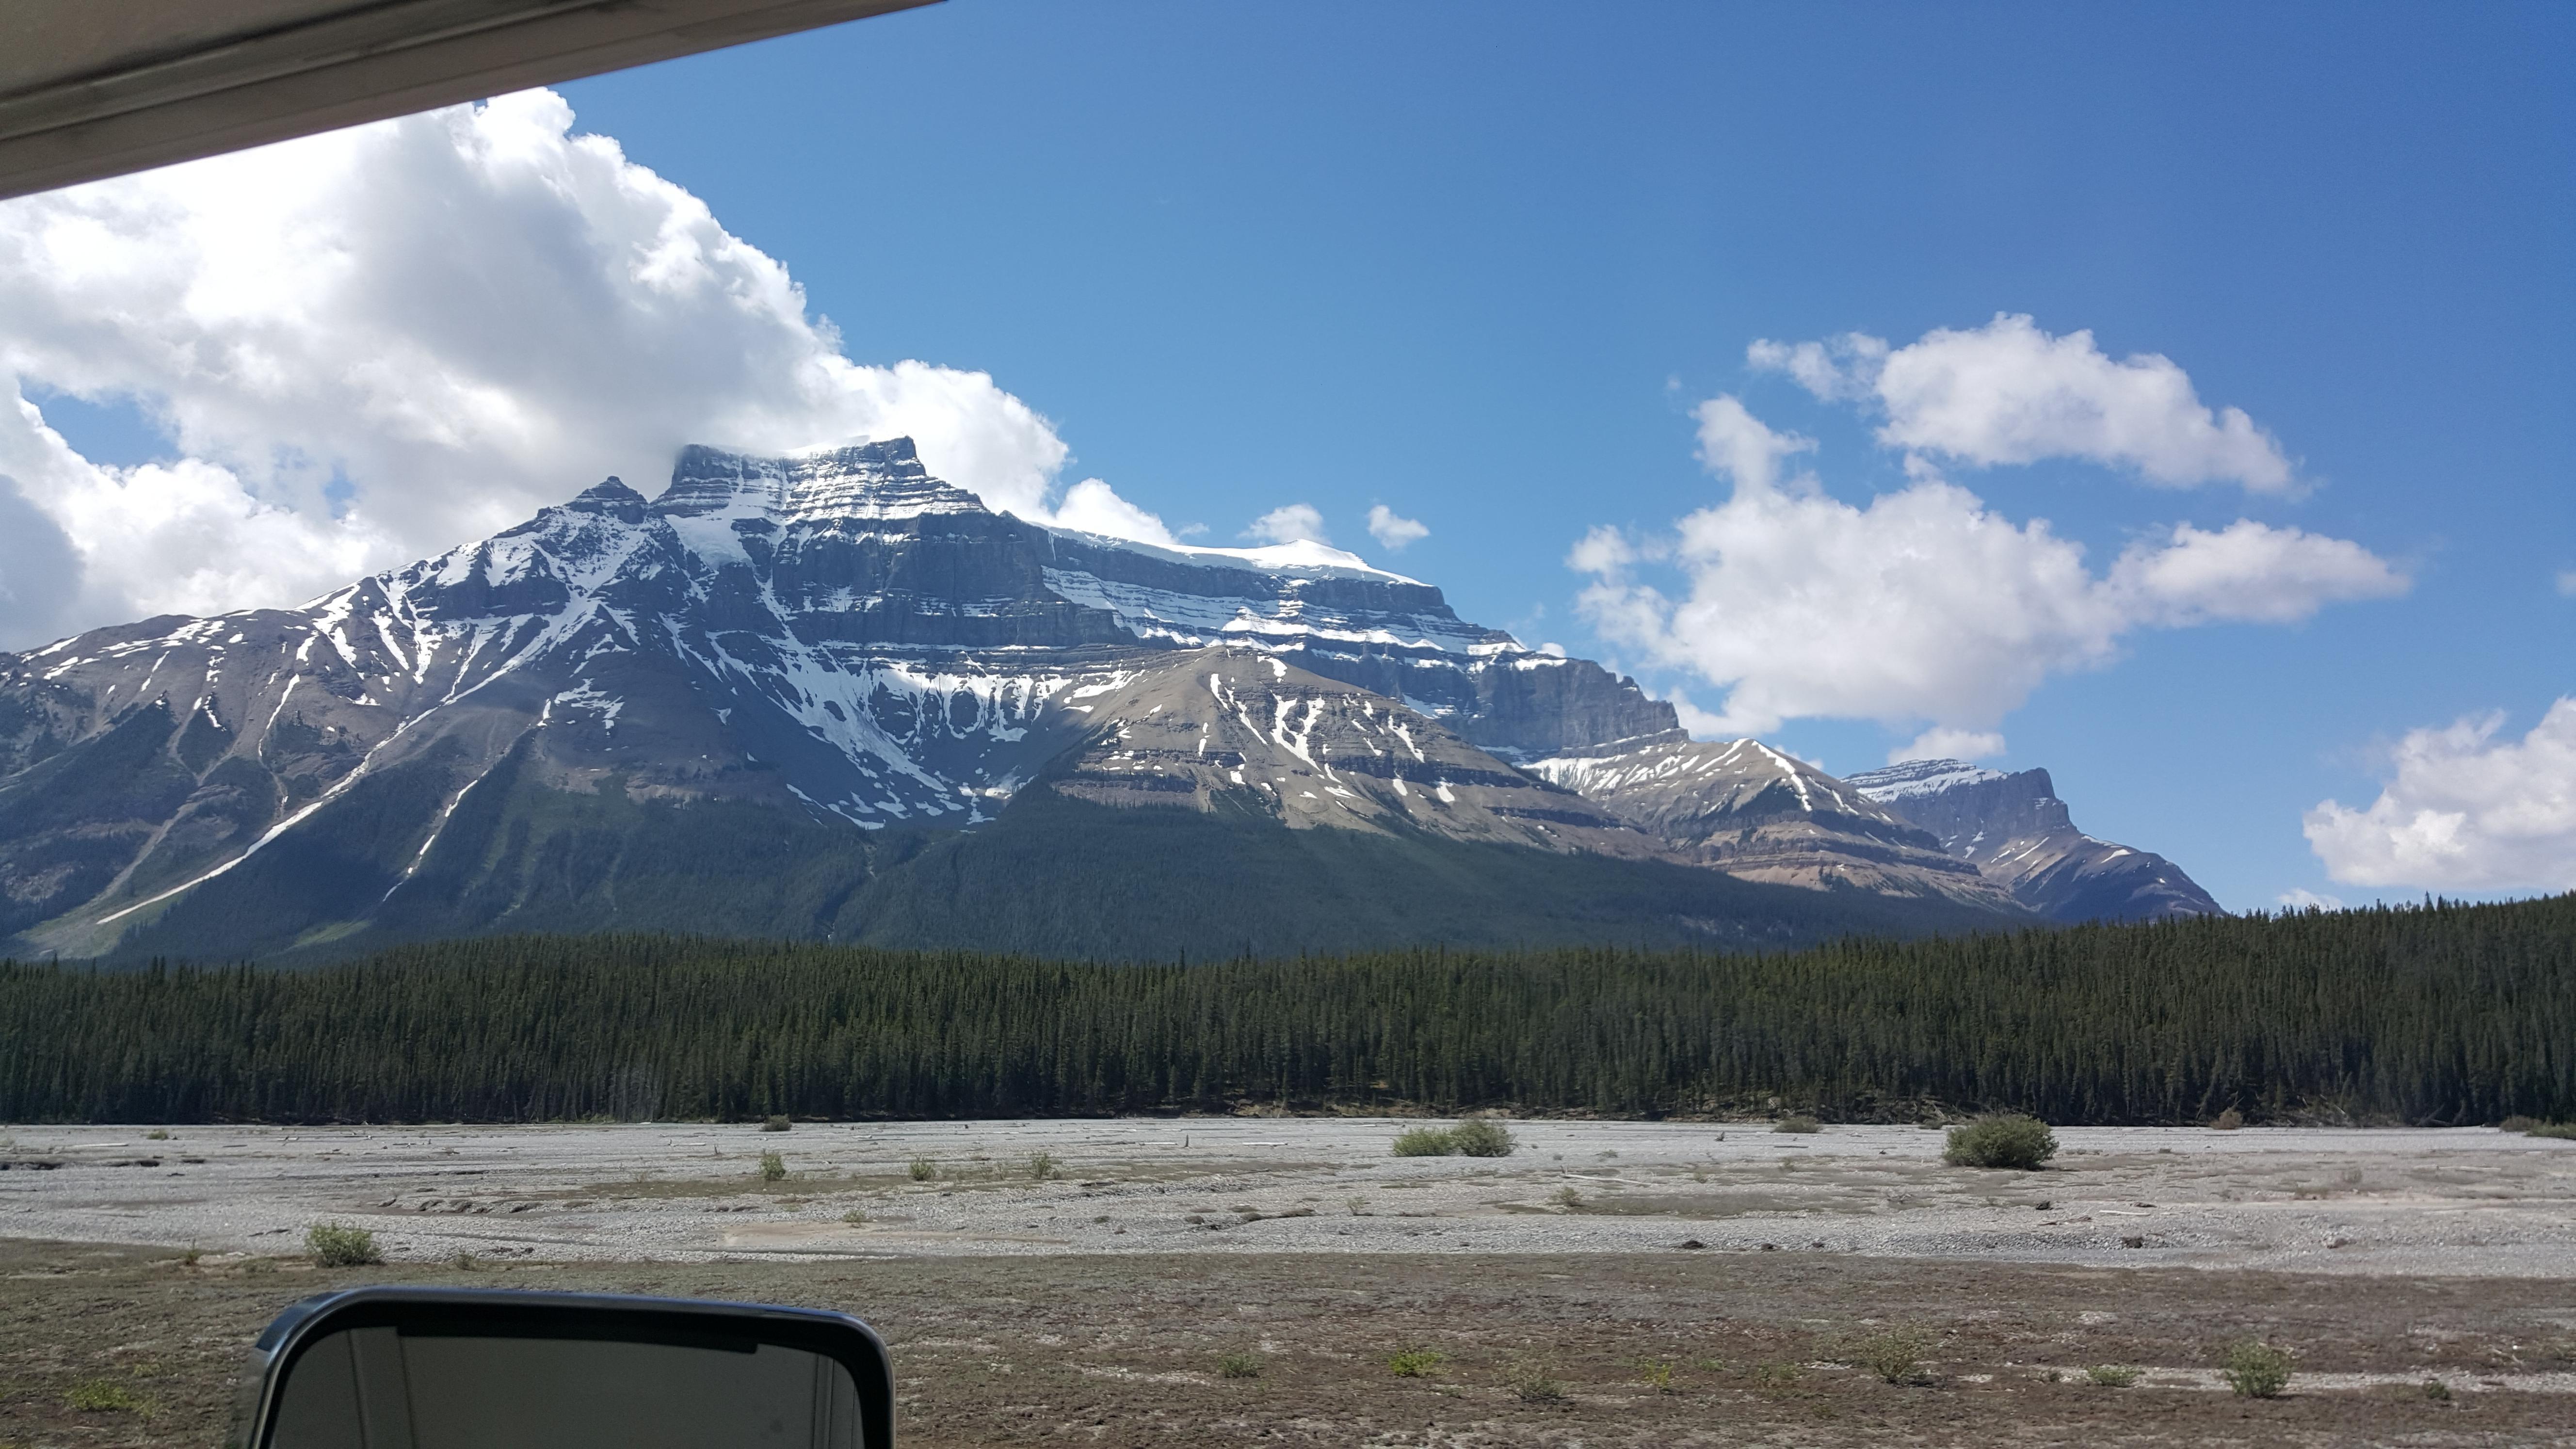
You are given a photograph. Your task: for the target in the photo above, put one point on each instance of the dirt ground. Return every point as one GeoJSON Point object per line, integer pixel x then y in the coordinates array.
{"type": "Point", "coordinates": [2471, 1202]}
{"type": "Point", "coordinates": [1671, 1347]}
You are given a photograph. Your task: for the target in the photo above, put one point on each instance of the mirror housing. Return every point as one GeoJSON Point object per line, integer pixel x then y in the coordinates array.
{"type": "Point", "coordinates": [469, 1368]}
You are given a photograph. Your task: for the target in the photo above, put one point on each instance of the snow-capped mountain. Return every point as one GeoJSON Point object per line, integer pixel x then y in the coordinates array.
{"type": "Point", "coordinates": [788, 675]}
{"type": "Point", "coordinates": [1758, 814]}
{"type": "Point", "coordinates": [2016, 831]}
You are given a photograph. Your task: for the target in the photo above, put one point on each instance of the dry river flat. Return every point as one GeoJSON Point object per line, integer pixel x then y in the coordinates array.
{"type": "Point", "coordinates": [1608, 1283]}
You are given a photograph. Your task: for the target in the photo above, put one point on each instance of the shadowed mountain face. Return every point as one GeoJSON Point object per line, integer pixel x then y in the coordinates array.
{"type": "Point", "coordinates": [2016, 831]}
{"type": "Point", "coordinates": [832, 695]}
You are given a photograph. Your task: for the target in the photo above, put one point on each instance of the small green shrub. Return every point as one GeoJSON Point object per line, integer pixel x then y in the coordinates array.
{"type": "Point", "coordinates": [157, 1134]}
{"type": "Point", "coordinates": [2257, 1370]}
{"type": "Point", "coordinates": [773, 1168]}
{"type": "Point", "coordinates": [2437, 1391]}
{"type": "Point", "coordinates": [1483, 1137]}
{"type": "Point", "coordinates": [1568, 1198]}
{"type": "Point", "coordinates": [1416, 1363]}
{"type": "Point", "coordinates": [334, 1245]}
{"type": "Point", "coordinates": [1797, 1122]}
{"type": "Point", "coordinates": [102, 1396]}
{"type": "Point", "coordinates": [775, 1124]}
{"type": "Point", "coordinates": [2229, 1120]}
{"type": "Point", "coordinates": [1895, 1355]}
{"type": "Point", "coordinates": [923, 1169]}
{"type": "Point", "coordinates": [2009, 1141]}
{"type": "Point", "coordinates": [2112, 1376]}
{"type": "Point", "coordinates": [1656, 1374]}
{"type": "Point", "coordinates": [1426, 1142]}
{"type": "Point", "coordinates": [1238, 1365]}
{"type": "Point", "coordinates": [1535, 1387]}
{"type": "Point", "coordinates": [1045, 1165]}
{"type": "Point", "coordinates": [2551, 1129]}
{"type": "Point", "coordinates": [856, 1217]}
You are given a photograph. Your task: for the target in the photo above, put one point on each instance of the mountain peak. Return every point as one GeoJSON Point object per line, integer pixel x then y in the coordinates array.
{"type": "Point", "coordinates": [883, 479]}
{"type": "Point", "coordinates": [1908, 778]}
{"type": "Point", "coordinates": [611, 496]}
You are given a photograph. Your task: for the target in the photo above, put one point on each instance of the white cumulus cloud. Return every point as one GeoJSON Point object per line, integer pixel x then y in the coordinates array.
{"type": "Point", "coordinates": [2464, 810]}
{"type": "Point", "coordinates": [2300, 898]}
{"type": "Point", "coordinates": [1942, 743]}
{"type": "Point", "coordinates": [2008, 392]}
{"type": "Point", "coordinates": [1289, 523]}
{"type": "Point", "coordinates": [1392, 530]}
{"type": "Point", "coordinates": [1923, 605]}
{"type": "Point", "coordinates": [377, 343]}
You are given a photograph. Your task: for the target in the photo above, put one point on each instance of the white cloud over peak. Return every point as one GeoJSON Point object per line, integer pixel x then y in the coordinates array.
{"type": "Point", "coordinates": [2008, 392]}
{"type": "Point", "coordinates": [1289, 523]}
{"type": "Point", "coordinates": [374, 344]}
{"type": "Point", "coordinates": [2464, 810]}
{"type": "Point", "coordinates": [1924, 605]}
{"type": "Point", "coordinates": [1941, 743]}
{"type": "Point", "coordinates": [1392, 530]}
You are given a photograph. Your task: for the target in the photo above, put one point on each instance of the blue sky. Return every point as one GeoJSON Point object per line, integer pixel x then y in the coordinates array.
{"type": "Point", "coordinates": [1484, 263]}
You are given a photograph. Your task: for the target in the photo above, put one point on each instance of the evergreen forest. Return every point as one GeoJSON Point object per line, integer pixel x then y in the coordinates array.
{"type": "Point", "coordinates": [2442, 1013]}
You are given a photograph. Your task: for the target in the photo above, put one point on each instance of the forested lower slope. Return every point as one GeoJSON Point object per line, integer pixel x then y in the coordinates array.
{"type": "Point", "coordinates": [2436, 1014]}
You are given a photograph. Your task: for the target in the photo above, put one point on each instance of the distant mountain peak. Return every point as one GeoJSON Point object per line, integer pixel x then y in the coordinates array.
{"type": "Point", "coordinates": [2015, 829]}
{"type": "Point", "coordinates": [879, 480]}
{"type": "Point", "coordinates": [1918, 777]}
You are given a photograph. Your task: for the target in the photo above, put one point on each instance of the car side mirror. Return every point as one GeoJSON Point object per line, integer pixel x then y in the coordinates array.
{"type": "Point", "coordinates": [453, 1368]}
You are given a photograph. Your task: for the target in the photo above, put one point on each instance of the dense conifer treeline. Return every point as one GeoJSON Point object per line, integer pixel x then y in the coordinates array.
{"type": "Point", "coordinates": [2436, 1014]}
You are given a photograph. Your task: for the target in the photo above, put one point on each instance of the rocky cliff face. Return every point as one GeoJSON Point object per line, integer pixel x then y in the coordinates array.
{"type": "Point", "coordinates": [2016, 831]}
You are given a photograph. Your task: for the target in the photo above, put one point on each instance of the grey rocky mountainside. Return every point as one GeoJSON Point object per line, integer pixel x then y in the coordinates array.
{"type": "Point", "coordinates": [1749, 810]}
{"type": "Point", "coordinates": [834, 696]}
{"type": "Point", "coordinates": [2018, 834]}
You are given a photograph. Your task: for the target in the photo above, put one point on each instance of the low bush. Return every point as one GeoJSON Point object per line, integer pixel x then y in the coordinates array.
{"type": "Point", "coordinates": [1483, 1137]}
{"type": "Point", "coordinates": [2228, 1121]}
{"type": "Point", "coordinates": [1415, 1363]}
{"type": "Point", "coordinates": [1426, 1142]}
{"type": "Point", "coordinates": [2256, 1370]}
{"type": "Point", "coordinates": [1536, 1387]}
{"type": "Point", "coordinates": [2009, 1141]}
{"type": "Point", "coordinates": [1045, 1165]}
{"type": "Point", "coordinates": [335, 1245]}
{"type": "Point", "coordinates": [775, 1124]}
{"type": "Point", "coordinates": [157, 1134]}
{"type": "Point", "coordinates": [773, 1168]}
{"type": "Point", "coordinates": [923, 1169]}
{"type": "Point", "coordinates": [1238, 1365]}
{"type": "Point", "coordinates": [2437, 1391]}
{"type": "Point", "coordinates": [1656, 1374]}
{"type": "Point", "coordinates": [1895, 1355]}
{"type": "Point", "coordinates": [2112, 1376]}
{"type": "Point", "coordinates": [1797, 1122]}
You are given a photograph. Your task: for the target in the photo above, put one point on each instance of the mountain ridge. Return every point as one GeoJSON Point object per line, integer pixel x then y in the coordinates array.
{"type": "Point", "coordinates": [888, 670]}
